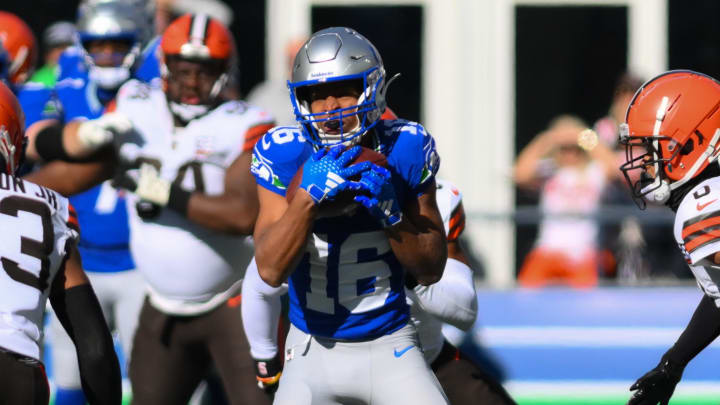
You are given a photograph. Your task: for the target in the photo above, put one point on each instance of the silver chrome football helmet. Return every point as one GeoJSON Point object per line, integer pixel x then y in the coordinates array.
{"type": "Point", "coordinates": [125, 20]}
{"type": "Point", "coordinates": [336, 54]}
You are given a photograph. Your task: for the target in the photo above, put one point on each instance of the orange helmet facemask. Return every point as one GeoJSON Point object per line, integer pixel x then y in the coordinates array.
{"type": "Point", "coordinates": [12, 130]}
{"type": "Point", "coordinates": [198, 38]}
{"type": "Point", "coordinates": [671, 133]}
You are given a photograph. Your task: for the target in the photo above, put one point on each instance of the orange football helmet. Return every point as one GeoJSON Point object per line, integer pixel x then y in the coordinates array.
{"type": "Point", "coordinates": [198, 37]}
{"type": "Point", "coordinates": [19, 42]}
{"type": "Point", "coordinates": [12, 130]}
{"type": "Point", "coordinates": [671, 132]}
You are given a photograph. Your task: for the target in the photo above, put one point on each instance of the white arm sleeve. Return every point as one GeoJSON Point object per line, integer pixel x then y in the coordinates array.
{"type": "Point", "coordinates": [260, 313]}
{"type": "Point", "coordinates": [452, 299]}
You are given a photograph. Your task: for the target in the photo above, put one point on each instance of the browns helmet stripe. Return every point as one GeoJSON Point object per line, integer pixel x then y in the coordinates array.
{"type": "Point", "coordinates": [198, 36]}
{"type": "Point", "coordinates": [198, 29]}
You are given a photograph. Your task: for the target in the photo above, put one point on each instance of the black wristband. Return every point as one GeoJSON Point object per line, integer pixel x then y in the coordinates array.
{"type": "Point", "coordinates": [179, 199]}
{"type": "Point", "coordinates": [49, 143]}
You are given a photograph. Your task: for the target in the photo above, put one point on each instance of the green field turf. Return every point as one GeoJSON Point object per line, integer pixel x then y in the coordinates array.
{"type": "Point", "coordinates": [611, 400]}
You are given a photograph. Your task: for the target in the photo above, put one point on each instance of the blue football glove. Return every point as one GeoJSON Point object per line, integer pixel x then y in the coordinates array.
{"type": "Point", "coordinates": [382, 202]}
{"type": "Point", "coordinates": [326, 173]}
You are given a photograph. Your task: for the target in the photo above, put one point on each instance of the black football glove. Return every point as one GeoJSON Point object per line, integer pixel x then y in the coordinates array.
{"type": "Point", "coordinates": [268, 374]}
{"type": "Point", "coordinates": [657, 385]}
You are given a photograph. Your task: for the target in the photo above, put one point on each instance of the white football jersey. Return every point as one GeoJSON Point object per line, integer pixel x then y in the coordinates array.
{"type": "Point", "coordinates": [37, 224]}
{"type": "Point", "coordinates": [190, 269]}
{"type": "Point", "coordinates": [697, 232]}
{"type": "Point", "coordinates": [429, 327]}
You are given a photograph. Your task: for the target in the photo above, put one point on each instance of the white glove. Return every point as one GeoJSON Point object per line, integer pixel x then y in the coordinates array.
{"type": "Point", "coordinates": [93, 134]}
{"type": "Point", "coordinates": [151, 187]}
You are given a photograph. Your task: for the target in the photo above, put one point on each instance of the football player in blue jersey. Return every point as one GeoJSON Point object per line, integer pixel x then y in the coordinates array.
{"type": "Point", "coordinates": [110, 38]}
{"type": "Point", "coordinates": [350, 340]}
{"type": "Point", "coordinates": [18, 52]}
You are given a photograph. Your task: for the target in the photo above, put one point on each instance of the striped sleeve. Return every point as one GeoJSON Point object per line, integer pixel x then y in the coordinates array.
{"type": "Point", "coordinates": [72, 221]}
{"type": "Point", "coordinates": [457, 223]}
{"type": "Point", "coordinates": [701, 231]}
{"type": "Point", "coordinates": [254, 134]}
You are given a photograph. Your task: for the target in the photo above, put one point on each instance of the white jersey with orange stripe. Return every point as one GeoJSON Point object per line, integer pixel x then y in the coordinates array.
{"type": "Point", "coordinates": [37, 224]}
{"type": "Point", "coordinates": [697, 232]}
{"type": "Point", "coordinates": [449, 201]}
{"type": "Point", "coordinates": [189, 269]}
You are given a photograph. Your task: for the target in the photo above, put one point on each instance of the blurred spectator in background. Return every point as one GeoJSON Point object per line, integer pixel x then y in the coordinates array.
{"type": "Point", "coordinates": [621, 239]}
{"type": "Point", "coordinates": [273, 95]}
{"type": "Point", "coordinates": [56, 38]}
{"type": "Point", "coordinates": [570, 168]}
{"type": "Point", "coordinates": [607, 127]}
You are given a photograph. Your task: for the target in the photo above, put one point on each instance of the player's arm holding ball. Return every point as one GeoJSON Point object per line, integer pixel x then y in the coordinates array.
{"type": "Point", "coordinates": [282, 227]}
{"type": "Point", "coordinates": [415, 230]}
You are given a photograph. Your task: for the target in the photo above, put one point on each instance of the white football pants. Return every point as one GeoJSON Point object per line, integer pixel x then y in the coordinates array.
{"type": "Point", "coordinates": [389, 370]}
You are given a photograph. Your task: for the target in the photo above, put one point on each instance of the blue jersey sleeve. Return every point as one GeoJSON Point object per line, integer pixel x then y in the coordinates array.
{"type": "Point", "coordinates": [71, 64]}
{"type": "Point", "coordinates": [38, 103]}
{"type": "Point", "coordinates": [277, 157]}
{"type": "Point", "coordinates": [413, 155]}
{"type": "Point", "coordinates": [149, 67]}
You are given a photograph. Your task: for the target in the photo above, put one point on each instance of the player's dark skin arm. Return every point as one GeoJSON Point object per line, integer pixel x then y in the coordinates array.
{"type": "Point", "coordinates": [71, 178]}
{"type": "Point", "coordinates": [236, 209]}
{"type": "Point", "coordinates": [281, 232]}
{"type": "Point", "coordinates": [455, 251]}
{"type": "Point", "coordinates": [78, 310]}
{"type": "Point", "coordinates": [418, 241]}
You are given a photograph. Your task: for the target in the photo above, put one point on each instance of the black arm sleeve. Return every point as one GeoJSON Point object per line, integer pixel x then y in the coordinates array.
{"type": "Point", "coordinates": [49, 146]}
{"type": "Point", "coordinates": [79, 311]}
{"type": "Point", "coordinates": [49, 143]}
{"type": "Point", "coordinates": [703, 328]}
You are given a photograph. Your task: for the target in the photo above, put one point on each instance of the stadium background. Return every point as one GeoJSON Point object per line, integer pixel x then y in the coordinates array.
{"type": "Point", "coordinates": [485, 76]}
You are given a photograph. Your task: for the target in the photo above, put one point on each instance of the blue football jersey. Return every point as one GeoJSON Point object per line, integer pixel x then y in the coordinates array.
{"type": "Point", "coordinates": [37, 102]}
{"type": "Point", "coordinates": [102, 210]}
{"type": "Point", "coordinates": [349, 285]}
{"type": "Point", "coordinates": [148, 69]}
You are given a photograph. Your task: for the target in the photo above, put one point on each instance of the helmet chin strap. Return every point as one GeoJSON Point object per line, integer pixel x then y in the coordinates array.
{"type": "Point", "coordinates": [660, 194]}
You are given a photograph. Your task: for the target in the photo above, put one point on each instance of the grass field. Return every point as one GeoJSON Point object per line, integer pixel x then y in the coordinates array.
{"type": "Point", "coordinates": [598, 400]}
{"type": "Point", "coordinates": [612, 400]}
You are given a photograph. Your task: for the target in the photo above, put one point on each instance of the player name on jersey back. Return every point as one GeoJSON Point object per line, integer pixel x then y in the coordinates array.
{"type": "Point", "coordinates": [37, 223]}
{"type": "Point", "coordinates": [11, 185]}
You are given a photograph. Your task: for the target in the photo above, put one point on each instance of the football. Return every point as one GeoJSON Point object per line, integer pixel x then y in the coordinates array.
{"type": "Point", "coordinates": [343, 204]}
